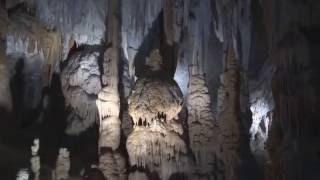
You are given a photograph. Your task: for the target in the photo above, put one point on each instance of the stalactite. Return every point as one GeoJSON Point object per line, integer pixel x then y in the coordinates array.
{"type": "Point", "coordinates": [30, 38]}
{"type": "Point", "coordinates": [228, 116]}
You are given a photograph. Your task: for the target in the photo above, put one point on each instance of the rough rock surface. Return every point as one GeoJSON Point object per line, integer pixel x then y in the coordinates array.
{"type": "Point", "coordinates": [228, 117]}
{"type": "Point", "coordinates": [155, 144]}
{"type": "Point", "coordinates": [27, 38]}
{"type": "Point", "coordinates": [151, 98]}
{"type": "Point", "coordinates": [158, 149]}
{"type": "Point", "coordinates": [80, 80]}
{"type": "Point", "coordinates": [5, 97]}
{"type": "Point", "coordinates": [202, 126]}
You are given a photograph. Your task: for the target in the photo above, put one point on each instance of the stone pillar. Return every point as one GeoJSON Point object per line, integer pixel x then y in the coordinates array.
{"type": "Point", "coordinates": [203, 128]}
{"type": "Point", "coordinates": [229, 116]}
{"type": "Point", "coordinates": [111, 162]}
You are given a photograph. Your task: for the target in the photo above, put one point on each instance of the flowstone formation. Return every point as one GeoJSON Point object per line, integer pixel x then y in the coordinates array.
{"type": "Point", "coordinates": [80, 80]}
{"type": "Point", "coordinates": [155, 145]}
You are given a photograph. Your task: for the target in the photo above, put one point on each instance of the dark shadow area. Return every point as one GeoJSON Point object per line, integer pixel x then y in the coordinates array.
{"type": "Point", "coordinates": [156, 39]}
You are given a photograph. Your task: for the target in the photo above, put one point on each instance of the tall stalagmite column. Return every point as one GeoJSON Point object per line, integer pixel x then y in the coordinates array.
{"type": "Point", "coordinates": [228, 115]}
{"type": "Point", "coordinates": [203, 129]}
{"type": "Point", "coordinates": [112, 164]}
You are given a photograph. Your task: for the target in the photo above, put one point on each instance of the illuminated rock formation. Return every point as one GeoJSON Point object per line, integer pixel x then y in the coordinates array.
{"type": "Point", "coordinates": [80, 80]}
{"type": "Point", "coordinates": [111, 162]}
{"type": "Point", "coordinates": [62, 165]}
{"type": "Point", "coordinates": [151, 98]}
{"type": "Point", "coordinates": [23, 174]}
{"type": "Point", "coordinates": [155, 143]}
{"type": "Point", "coordinates": [35, 159]}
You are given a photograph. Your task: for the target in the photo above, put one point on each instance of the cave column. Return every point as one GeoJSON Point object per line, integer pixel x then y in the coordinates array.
{"type": "Point", "coordinates": [111, 163]}
{"type": "Point", "coordinates": [203, 129]}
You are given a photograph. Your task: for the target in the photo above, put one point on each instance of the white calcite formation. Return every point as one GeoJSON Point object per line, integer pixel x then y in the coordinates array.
{"type": "Point", "coordinates": [259, 129]}
{"type": "Point", "coordinates": [111, 162]}
{"type": "Point", "coordinates": [261, 107]}
{"type": "Point", "coordinates": [203, 129]}
{"type": "Point", "coordinates": [23, 174]}
{"type": "Point", "coordinates": [35, 159]}
{"type": "Point", "coordinates": [155, 143]}
{"type": "Point", "coordinates": [62, 165]}
{"type": "Point", "coordinates": [80, 80]}
{"type": "Point", "coordinates": [79, 21]}
{"type": "Point", "coordinates": [152, 98]}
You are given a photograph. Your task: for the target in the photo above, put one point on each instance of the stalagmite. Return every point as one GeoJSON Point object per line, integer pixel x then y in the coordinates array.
{"type": "Point", "coordinates": [35, 159]}
{"type": "Point", "coordinates": [203, 129]}
{"type": "Point", "coordinates": [27, 38]}
{"type": "Point", "coordinates": [228, 116]}
{"type": "Point", "coordinates": [23, 174]}
{"type": "Point", "coordinates": [62, 165]}
{"type": "Point", "coordinates": [155, 143]}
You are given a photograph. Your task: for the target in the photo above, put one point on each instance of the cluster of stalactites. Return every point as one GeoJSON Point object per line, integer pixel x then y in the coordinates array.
{"type": "Point", "coordinates": [159, 149]}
